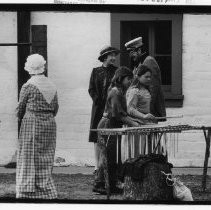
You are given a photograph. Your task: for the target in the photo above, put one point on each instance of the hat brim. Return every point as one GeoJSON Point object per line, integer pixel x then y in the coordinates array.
{"type": "Point", "coordinates": [107, 53]}
{"type": "Point", "coordinates": [134, 48]}
{"type": "Point", "coordinates": [32, 71]}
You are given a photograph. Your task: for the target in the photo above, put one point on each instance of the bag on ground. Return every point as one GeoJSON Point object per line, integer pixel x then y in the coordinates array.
{"type": "Point", "coordinates": [181, 192]}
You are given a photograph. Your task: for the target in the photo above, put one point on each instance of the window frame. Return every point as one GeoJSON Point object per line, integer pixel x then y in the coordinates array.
{"type": "Point", "coordinates": [174, 97]}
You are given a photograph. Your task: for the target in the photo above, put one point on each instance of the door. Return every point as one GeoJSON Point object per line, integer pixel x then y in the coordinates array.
{"type": "Point", "coordinates": [156, 36]}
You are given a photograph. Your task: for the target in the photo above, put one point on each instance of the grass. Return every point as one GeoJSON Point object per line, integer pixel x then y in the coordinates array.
{"type": "Point", "coordinates": [79, 187]}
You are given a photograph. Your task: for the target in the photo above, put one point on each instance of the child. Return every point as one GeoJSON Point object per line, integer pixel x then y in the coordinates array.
{"type": "Point", "coordinates": [115, 116]}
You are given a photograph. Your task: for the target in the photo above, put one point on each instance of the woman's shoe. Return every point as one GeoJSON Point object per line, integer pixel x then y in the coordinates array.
{"type": "Point", "coordinates": [100, 190]}
{"type": "Point", "coordinates": [95, 171]}
{"type": "Point", "coordinates": [99, 187]}
{"type": "Point", "coordinates": [116, 190]}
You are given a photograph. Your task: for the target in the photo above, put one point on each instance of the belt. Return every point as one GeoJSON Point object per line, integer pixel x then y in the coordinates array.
{"type": "Point", "coordinates": [39, 112]}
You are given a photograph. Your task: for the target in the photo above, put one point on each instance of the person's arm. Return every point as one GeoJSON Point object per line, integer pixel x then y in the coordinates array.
{"type": "Point", "coordinates": [92, 87]}
{"type": "Point", "coordinates": [21, 108]}
{"type": "Point", "coordinates": [119, 113]}
{"type": "Point", "coordinates": [132, 108]}
{"type": "Point", "coordinates": [130, 121]}
{"type": "Point", "coordinates": [56, 105]}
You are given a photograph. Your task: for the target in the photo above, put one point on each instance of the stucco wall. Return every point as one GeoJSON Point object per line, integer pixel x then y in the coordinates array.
{"type": "Point", "coordinates": [8, 86]}
{"type": "Point", "coordinates": [196, 87]}
{"type": "Point", "coordinates": [74, 41]}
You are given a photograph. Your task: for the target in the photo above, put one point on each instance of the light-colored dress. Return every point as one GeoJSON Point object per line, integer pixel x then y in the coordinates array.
{"type": "Point", "coordinates": [38, 105]}
{"type": "Point", "coordinates": [138, 99]}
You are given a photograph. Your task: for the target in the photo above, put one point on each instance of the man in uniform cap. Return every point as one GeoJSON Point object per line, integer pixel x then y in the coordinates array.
{"type": "Point", "coordinates": [100, 80]}
{"type": "Point", "coordinates": [134, 47]}
{"type": "Point", "coordinates": [138, 57]}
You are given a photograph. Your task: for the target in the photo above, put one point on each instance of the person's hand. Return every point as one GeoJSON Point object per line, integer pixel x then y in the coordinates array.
{"type": "Point", "coordinates": [134, 124]}
{"type": "Point", "coordinates": [140, 121]}
{"type": "Point", "coordinates": [149, 117]}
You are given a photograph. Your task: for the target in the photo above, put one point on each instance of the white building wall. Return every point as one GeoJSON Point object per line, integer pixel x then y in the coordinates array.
{"type": "Point", "coordinates": [74, 42]}
{"type": "Point", "coordinates": [8, 86]}
{"type": "Point", "coordinates": [196, 88]}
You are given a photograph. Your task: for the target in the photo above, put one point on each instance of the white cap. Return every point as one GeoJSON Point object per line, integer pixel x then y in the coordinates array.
{"type": "Point", "coordinates": [133, 44]}
{"type": "Point", "coordinates": [35, 64]}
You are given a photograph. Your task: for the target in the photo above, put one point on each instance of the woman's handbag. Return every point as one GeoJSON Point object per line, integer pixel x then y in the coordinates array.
{"type": "Point", "coordinates": [180, 191]}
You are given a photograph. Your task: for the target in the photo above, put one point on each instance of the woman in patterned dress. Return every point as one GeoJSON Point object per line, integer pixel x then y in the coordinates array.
{"type": "Point", "coordinates": [37, 107]}
{"type": "Point", "coordinates": [138, 106]}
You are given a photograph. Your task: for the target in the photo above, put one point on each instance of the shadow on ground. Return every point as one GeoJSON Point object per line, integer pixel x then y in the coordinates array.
{"type": "Point", "coordinates": [79, 187]}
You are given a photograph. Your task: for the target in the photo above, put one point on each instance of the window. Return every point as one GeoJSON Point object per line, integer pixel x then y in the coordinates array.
{"type": "Point", "coordinates": [162, 38]}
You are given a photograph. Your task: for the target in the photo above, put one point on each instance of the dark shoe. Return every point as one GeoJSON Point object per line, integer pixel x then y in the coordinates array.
{"type": "Point", "coordinates": [99, 187]}
{"type": "Point", "coordinates": [95, 172]}
{"type": "Point", "coordinates": [116, 190]}
{"type": "Point", "coordinates": [100, 190]}
{"type": "Point", "coordinates": [11, 165]}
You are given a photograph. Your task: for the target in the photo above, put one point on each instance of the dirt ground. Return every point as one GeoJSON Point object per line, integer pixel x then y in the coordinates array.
{"type": "Point", "coordinates": [79, 187]}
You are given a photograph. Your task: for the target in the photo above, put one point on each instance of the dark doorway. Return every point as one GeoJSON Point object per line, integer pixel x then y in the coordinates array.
{"type": "Point", "coordinates": [36, 37]}
{"type": "Point", "coordinates": [23, 24]}
{"type": "Point", "coordinates": [157, 39]}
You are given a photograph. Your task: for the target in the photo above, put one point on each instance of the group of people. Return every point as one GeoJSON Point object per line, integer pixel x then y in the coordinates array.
{"type": "Point", "coordinates": [122, 97]}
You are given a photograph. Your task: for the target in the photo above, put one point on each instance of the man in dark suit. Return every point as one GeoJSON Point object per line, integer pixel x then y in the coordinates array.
{"type": "Point", "coordinates": [138, 57]}
{"type": "Point", "coordinates": [100, 80]}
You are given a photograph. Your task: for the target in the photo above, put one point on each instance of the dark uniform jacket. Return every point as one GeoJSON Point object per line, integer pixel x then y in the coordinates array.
{"type": "Point", "coordinates": [100, 80]}
{"type": "Point", "coordinates": [157, 105]}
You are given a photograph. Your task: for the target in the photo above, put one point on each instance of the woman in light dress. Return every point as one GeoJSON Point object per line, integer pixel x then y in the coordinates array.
{"type": "Point", "coordinates": [37, 107]}
{"type": "Point", "coordinates": [138, 106]}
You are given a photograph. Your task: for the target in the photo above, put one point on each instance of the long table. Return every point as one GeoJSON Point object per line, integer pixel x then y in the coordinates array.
{"type": "Point", "coordinates": [160, 129]}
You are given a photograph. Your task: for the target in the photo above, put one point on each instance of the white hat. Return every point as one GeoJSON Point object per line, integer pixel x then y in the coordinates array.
{"type": "Point", "coordinates": [133, 44]}
{"type": "Point", "coordinates": [35, 64]}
